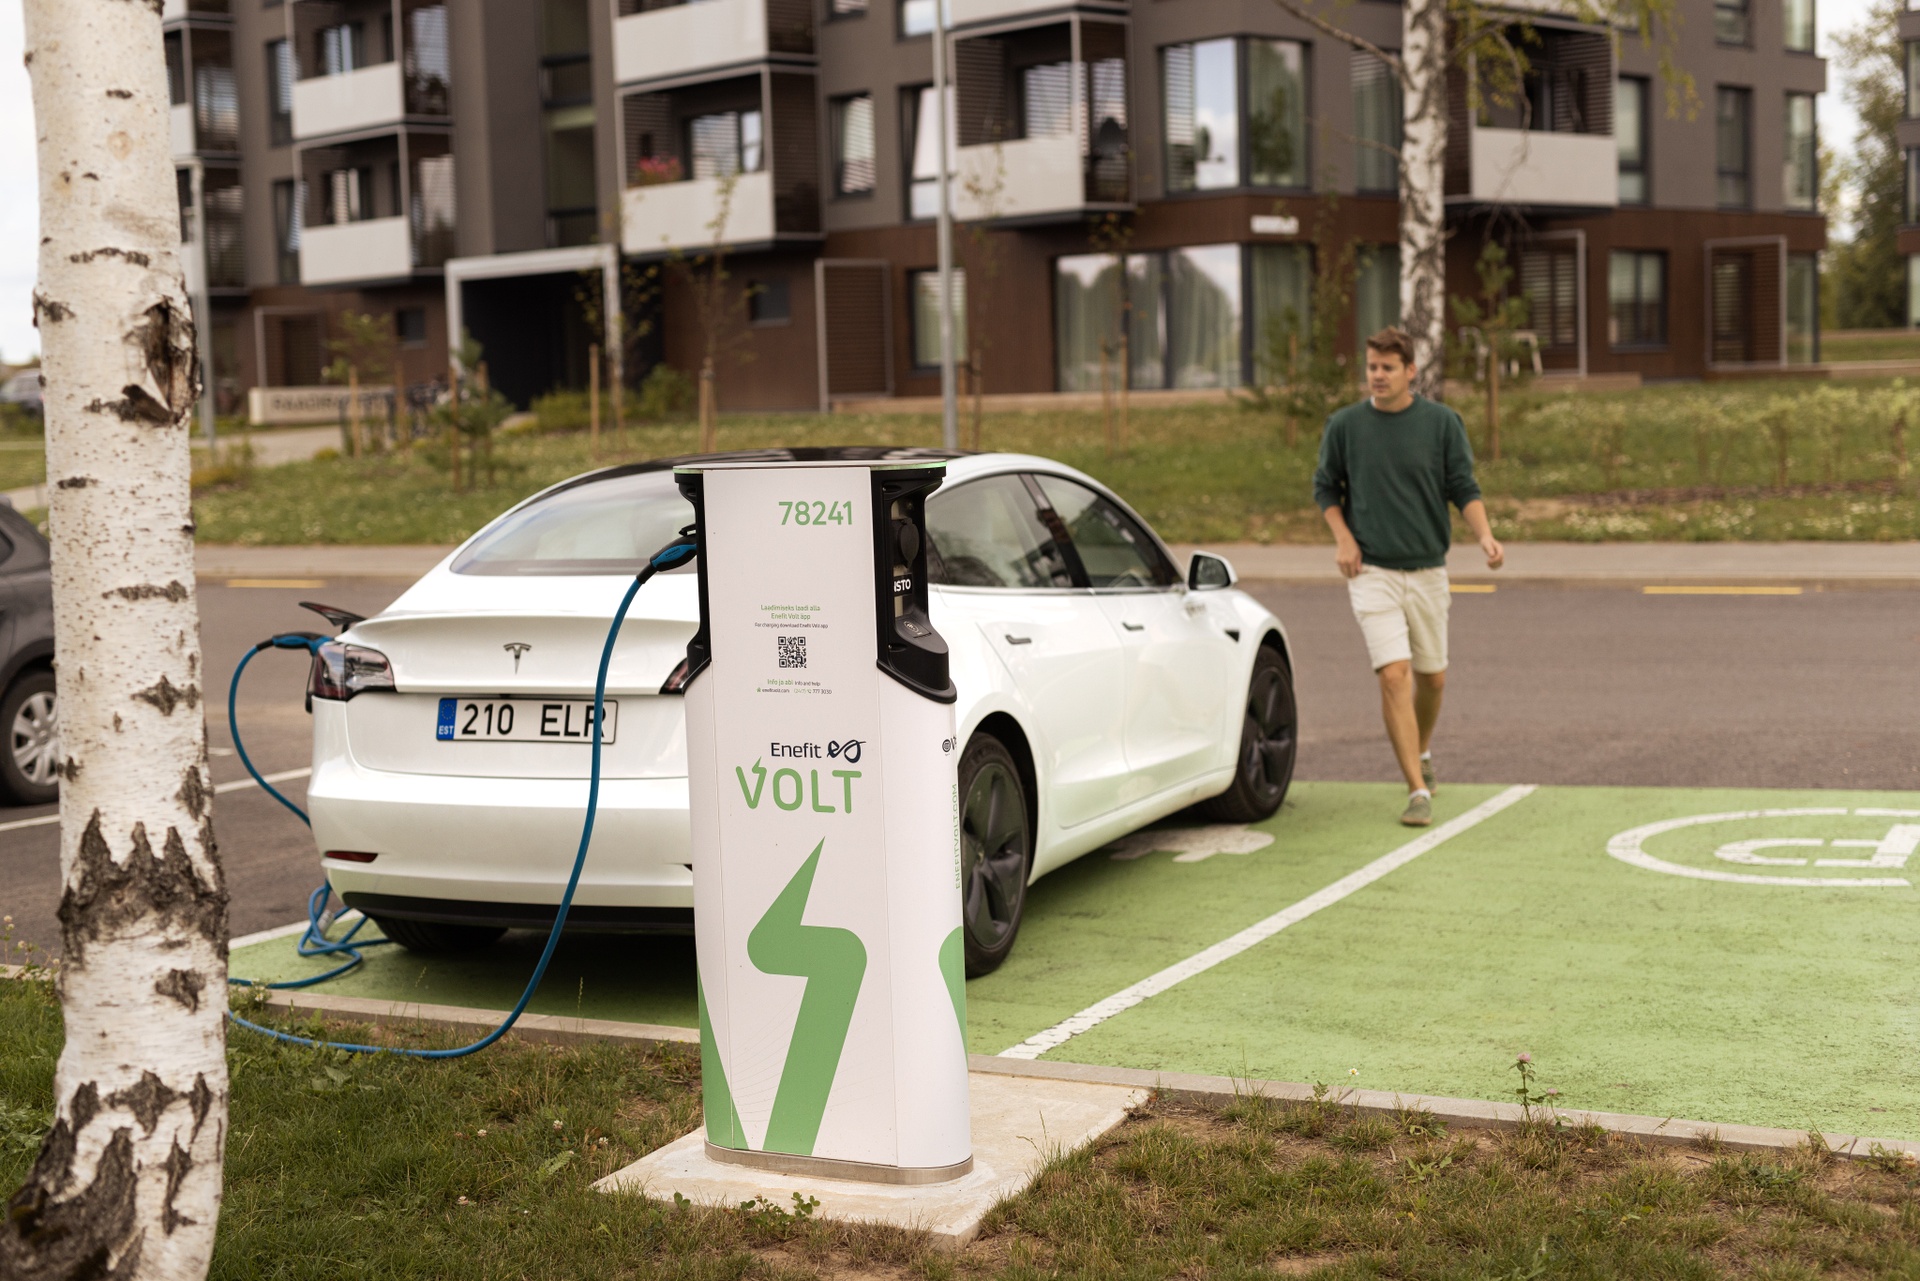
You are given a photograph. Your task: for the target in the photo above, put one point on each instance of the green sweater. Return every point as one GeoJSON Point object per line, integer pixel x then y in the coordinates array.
{"type": "Point", "coordinates": [1392, 476]}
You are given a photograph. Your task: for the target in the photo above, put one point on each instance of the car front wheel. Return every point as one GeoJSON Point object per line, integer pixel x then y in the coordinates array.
{"type": "Point", "coordinates": [30, 767]}
{"type": "Point", "coordinates": [996, 852]}
{"type": "Point", "coordinates": [1268, 740]}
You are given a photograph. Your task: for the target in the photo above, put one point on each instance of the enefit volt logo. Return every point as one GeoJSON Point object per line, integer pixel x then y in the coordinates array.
{"type": "Point", "coordinates": [847, 750]}
{"type": "Point", "coordinates": [789, 791]}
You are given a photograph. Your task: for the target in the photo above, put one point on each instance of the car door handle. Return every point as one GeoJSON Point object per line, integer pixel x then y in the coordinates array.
{"type": "Point", "coordinates": [1134, 627]}
{"type": "Point", "coordinates": [1018, 640]}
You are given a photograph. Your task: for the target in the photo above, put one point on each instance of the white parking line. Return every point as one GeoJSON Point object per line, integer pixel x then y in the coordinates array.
{"type": "Point", "coordinates": [1125, 999]}
{"type": "Point", "coordinates": [218, 788]}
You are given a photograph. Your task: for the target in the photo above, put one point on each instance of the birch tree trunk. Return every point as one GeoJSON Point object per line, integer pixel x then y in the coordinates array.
{"type": "Point", "coordinates": [1423, 207]}
{"type": "Point", "coordinates": [127, 1184]}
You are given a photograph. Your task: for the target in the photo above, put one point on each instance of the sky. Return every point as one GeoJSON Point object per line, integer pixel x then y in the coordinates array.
{"type": "Point", "coordinates": [19, 194]}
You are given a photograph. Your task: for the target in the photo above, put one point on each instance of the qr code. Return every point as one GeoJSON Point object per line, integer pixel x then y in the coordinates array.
{"type": "Point", "coordinates": [793, 651]}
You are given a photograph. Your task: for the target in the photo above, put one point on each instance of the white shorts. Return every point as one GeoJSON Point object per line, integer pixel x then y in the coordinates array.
{"type": "Point", "coordinates": [1403, 614]}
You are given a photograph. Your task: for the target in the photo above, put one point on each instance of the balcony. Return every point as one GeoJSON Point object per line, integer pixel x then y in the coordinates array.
{"type": "Point", "coordinates": [205, 114]}
{"type": "Point", "coordinates": [357, 70]}
{"type": "Point", "coordinates": [1549, 145]}
{"type": "Point", "coordinates": [171, 10]}
{"type": "Point", "coordinates": [356, 252]}
{"type": "Point", "coordinates": [1531, 167]}
{"type": "Point", "coordinates": [1040, 136]}
{"type": "Point", "coordinates": [681, 145]}
{"type": "Point", "coordinates": [657, 41]}
{"type": "Point", "coordinates": [349, 102]}
{"type": "Point", "coordinates": [681, 215]}
{"type": "Point", "coordinates": [377, 209]}
{"type": "Point", "coordinates": [967, 13]}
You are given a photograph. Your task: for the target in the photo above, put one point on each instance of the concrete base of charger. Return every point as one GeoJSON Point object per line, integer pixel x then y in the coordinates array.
{"type": "Point", "coordinates": [1019, 1123]}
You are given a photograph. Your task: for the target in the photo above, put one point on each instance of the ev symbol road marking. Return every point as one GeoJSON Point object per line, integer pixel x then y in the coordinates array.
{"type": "Point", "coordinates": [1889, 852]}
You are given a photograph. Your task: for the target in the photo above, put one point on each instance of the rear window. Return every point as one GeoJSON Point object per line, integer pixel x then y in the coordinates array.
{"type": "Point", "coordinates": [606, 526]}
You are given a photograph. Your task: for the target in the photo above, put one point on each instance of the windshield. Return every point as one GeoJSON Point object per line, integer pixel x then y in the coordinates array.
{"type": "Point", "coordinates": [608, 526]}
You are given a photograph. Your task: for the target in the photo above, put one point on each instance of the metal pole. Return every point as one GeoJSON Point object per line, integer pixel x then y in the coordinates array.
{"type": "Point", "coordinates": [943, 234]}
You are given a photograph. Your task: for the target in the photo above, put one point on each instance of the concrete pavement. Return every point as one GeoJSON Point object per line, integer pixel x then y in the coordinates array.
{"type": "Point", "coordinates": [1808, 564]}
{"type": "Point", "coordinates": [1805, 564]}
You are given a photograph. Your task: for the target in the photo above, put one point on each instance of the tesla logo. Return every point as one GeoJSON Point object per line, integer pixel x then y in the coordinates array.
{"type": "Point", "coordinates": [516, 649]}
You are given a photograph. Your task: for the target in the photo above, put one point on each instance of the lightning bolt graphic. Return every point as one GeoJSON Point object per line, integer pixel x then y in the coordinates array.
{"type": "Point", "coordinates": [833, 961]}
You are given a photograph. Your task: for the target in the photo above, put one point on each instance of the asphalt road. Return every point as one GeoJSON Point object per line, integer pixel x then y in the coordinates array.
{"type": "Point", "coordinates": [1548, 685]}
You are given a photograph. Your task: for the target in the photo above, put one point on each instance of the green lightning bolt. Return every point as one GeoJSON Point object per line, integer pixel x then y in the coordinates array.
{"type": "Point", "coordinates": [833, 961]}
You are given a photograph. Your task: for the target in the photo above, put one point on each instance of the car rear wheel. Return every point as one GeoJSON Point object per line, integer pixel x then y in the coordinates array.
{"type": "Point", "coordinates": [30, 765]}
{"type": "Point", "coordinates": [996, 852]}
{"type": "Point", "coordinates": [438, 938]}
{"type": "Point", "coordinates": [1268, 742]}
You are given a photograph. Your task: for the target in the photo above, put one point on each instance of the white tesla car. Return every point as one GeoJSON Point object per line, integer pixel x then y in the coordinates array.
{"type": "Point", "coordinates": [1099, 690]}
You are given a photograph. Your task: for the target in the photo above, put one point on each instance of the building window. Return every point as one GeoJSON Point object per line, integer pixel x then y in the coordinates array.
{"type": "Point", "coordinates": [343, 49]}
{"type": "Point", "coordinates": [1731, 24]}
{"type": "Point", "coordinates": [1216, 136]}
{"type": "Point", "coordinates": [725, 143]}
{"type": "Point", "coordinates": [1376, 124]}
{"type": "Point", "coordinates": [1798, 15]}
{"type": "Point", "coordinates": [846, 9]}
{"type": "Point", "coordinates": [410, 326]}
{"type": "Point", "coordinates": [1733, 150]}
{"type": "Point", "coordinates": [923, 156]}
{"type": "Point", "coordinates": [280, 77]}
{"type": "Point", "coordinates": [1803, 309]}
{"type": "Point", "coordinates": [174, 46]}
{"type": "Point", "coordinates": [1913, 78]}
{"type": "Point", "coordinates": [1276, 113]}
{"type": "Point", "coordinates": [1636, 299]}
{"type": "Point", "coordinates": [349, 194]}
{"type": "Point", "coordinates": [183, 197]}
{"type": "Point", "coordinates": [916, 17]}
{"type": "Point", "coordinates": [566, 99]}
{"type": "Point", "coordinates": [1182, 309]}
{"type": "Point", "coordinates": [1631, 131]}
{"type": "Point", "coordinates": [1550, 282]}
{"type": "Point", "coordinates": [1198, 84]}
{"type": "Point", "coordinates": [769, 302]}
{"type": "Point", "coordinates": [1802, 179]}
{"type": "Point", "coordinates": [1376, 290]}
{"type": "Point", "coordinates": [923, 288]}
{"type": "Point", "coordinates": [289, 212]}
{"type": "Point", "coordinates": [1282, 309]}
{"type": "Point", "coordinates": [851, 123]}
{"type": "Point", "coordinates": [1911, 210]}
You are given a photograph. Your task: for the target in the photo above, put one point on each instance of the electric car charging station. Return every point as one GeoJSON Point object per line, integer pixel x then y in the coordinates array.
{"type": "Point", "coordinates": [823, 795]}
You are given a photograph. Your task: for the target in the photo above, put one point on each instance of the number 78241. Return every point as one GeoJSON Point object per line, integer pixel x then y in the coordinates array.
{"type": "Point", "coordinates": [802, 512]}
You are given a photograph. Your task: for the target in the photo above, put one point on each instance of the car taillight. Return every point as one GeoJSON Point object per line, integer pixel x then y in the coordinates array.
{"type": "Point", "coordinates": [340, 671]}
{"type": "Point", "coordinates": [351, 856]}
{"type": "Point", "coordinates": [676, 682]}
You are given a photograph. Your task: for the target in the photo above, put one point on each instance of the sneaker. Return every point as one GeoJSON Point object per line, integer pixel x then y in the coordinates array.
{"type": "Point", "coordinates": [1419, 811]}
{"type": "Point", "coordinates": [1426, 773]}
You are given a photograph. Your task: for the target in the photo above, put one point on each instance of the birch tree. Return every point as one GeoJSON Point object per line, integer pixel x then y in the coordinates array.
{"type": "Point", "coordinates": [1433, 35]}
{"type": "Point", "coordinates": [127, 1184]}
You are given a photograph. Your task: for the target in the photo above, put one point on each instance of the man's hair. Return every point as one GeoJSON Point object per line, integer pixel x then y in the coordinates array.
{"type": "Point", "coordinates": [1393, 341]}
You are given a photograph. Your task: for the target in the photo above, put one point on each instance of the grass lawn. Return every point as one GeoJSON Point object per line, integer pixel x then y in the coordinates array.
{"type": "Point", "coordinates": [481, 1168]}
{"type": "Point", "coordinates": [1681, 461]}
{"type": "Point", "coordinates": [1870, 344]}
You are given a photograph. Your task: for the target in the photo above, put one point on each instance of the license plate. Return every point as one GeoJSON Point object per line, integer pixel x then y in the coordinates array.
{"type": "Point", "coordinates": [523, 720]}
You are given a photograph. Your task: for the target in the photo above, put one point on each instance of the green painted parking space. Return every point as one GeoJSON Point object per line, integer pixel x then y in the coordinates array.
{"type": "Point", "coordinates": [1707, 970]}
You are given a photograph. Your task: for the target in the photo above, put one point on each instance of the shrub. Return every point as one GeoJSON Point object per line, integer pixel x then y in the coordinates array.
{"type": "Point", "coordinates": [666, 393]}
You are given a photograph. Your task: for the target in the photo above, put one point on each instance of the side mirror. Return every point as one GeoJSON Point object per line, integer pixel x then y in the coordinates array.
{"type": "Point", "coordinates": [1209, 573]}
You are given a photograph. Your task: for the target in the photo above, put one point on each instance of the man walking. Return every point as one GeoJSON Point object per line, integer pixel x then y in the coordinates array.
{"type": "Point", "coordinates": [1389, 466]}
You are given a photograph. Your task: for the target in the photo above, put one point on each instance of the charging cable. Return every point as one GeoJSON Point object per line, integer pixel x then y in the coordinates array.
{"type": "Point", "coordinates": [672, 556]}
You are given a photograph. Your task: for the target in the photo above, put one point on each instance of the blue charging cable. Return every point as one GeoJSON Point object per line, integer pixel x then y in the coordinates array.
{"type": "Point", "coordinates": [315, 943]}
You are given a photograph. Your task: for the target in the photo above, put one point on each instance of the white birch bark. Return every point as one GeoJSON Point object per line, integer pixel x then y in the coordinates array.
{"type": "Point", "coordinates": [1423, 207]}
{"type": "Point", "coordinates": [127, 1185]}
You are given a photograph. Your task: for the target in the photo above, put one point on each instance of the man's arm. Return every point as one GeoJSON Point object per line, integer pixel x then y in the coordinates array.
{"type": "Point", "coordinates": [1329, 490]}
{"type": "Point", "coordinates": [1346, 553]}
{"type": "Point", "coordinates": [1475, 513]}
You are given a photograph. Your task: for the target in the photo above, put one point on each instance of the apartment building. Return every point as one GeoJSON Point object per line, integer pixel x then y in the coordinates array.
{"type": "Point", "coordinates": [525, 170]}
